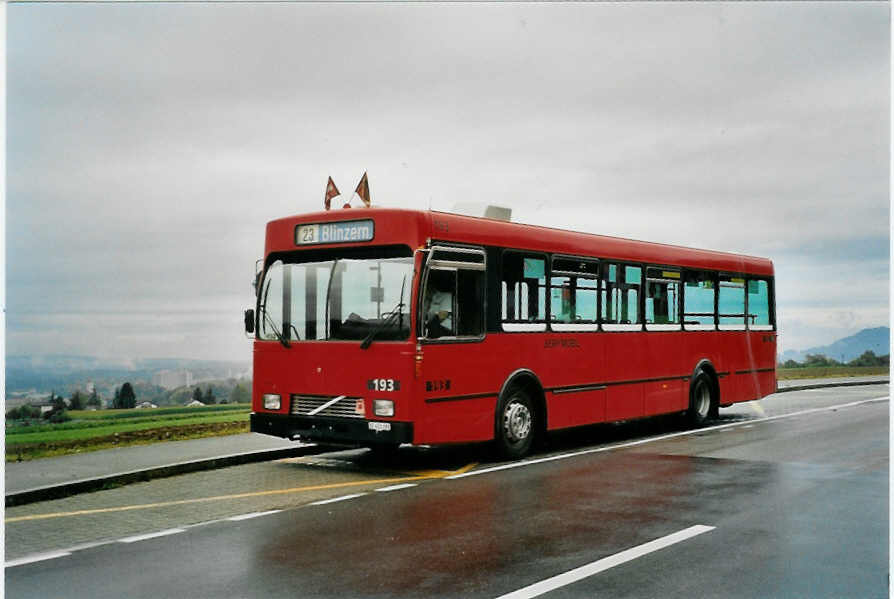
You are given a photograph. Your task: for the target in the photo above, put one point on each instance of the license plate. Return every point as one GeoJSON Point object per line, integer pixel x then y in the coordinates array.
{"type": "Point", "coordinates": [380, 426]}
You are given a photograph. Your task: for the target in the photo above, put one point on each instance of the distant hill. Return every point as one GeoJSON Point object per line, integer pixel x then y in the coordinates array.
{"type": "Point", "coordinates": [877, 340]}
{"type": "Point", "coordinates": [64, 373]}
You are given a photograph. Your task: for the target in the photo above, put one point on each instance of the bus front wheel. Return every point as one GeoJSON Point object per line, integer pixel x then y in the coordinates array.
{"type": "Point", "coordinates": [700, 400]}
{"type": "Point", "coordinates": [515, 424]}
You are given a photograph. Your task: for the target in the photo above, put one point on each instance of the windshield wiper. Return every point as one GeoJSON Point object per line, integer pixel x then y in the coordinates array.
{"type": "Point", "coordinates": [280, 336]}
{"type": "Point", "coordinates": [269, 320]}
{"type": "Point", "coordinates": [328, 292]}
{"type": "Point", "coordinates": [394, 313]}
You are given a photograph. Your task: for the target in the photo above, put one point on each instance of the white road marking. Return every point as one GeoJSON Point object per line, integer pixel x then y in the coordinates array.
{"type": "Point", "coordinates": [252, 515]}
{"type": "Point", "coordinates": [205, 523]}
{"type": "Point", "coordinates": [572, 576]}
{"type": "Point", "coordinates": [36, 557]}
{"type": "Point", "coordinates": [342, 498]}
{"type": "Point", "coordinates": [83, 546]}
{"type": "Point", "coordinates": [396, 487]}
{"type": "Point", "coordinates": [53, 554]}
{"type": "Point", "coordinates": [697, 431]}
{"type": "Point", "coordinates": [151, 535]}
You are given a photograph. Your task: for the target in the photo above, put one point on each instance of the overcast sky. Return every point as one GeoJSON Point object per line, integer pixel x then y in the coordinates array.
{"type": "Point", "coordinates": [147, 146]}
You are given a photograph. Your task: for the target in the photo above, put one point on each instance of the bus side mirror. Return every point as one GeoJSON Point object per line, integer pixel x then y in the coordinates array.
{"type": "Point", "coordinates": [249, 321]}
{"type": "Point", "coordinates": [258, 273]}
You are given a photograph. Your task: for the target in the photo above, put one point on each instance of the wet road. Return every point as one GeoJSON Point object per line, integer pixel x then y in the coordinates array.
{"type": "Point", "coordinates": [784, 498]}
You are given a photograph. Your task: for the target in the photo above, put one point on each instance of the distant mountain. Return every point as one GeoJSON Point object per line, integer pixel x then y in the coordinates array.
{"type": "Point", "coordinates": [64, 373]}
{"type": "Point", "coordinates": [877, 340]}
{"type": "Point", "coordinates": [58, 363]}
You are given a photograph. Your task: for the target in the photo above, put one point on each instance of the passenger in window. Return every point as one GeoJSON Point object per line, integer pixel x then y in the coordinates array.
{"type": "Point", "coordinates": [660, 303]}
{"type": "Point", "coordinates": [438, 305]}
{"type": "Point", "coordinates": [565, 305]}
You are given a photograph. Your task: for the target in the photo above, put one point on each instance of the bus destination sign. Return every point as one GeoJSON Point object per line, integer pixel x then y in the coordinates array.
{"type": "Point", "coordinates": [340, 232]}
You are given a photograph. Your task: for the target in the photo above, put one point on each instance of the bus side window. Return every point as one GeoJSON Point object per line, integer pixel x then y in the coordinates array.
{"type": "Point", "coordinates": [698, 300]}
{"type": "Point", "coordinates": [759, 304]}
{"type": "Point", "coordinates": [438, 308]}
{"type": "Point", "coordinates": [453, 299]}
{"type": "Point", "coordinates": [609, 282]}
{"type": "Point", "coordinates": [524, 292]}
{"type": "Point", "coordinates": [731, 302]}
{"type": "Point", "coordinates": [620, 294]}
{"type": "Point", "coordinates": [633, 283]}
{"type": "Point", "coordinates": [663, 296]}
{"type": "Point", "coordinates": [470, 303]}
{"type": "Point", "coordinates": [573, 284]}
{"type": "Point", "coordinates": [454, 304]}
{"type": "Point", "coordinates": [561, 302]}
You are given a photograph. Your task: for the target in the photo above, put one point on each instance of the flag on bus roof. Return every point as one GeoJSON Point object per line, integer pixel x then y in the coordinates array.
{"type": "Point", "coordinates": [331, 192]}
{"type": "Point", "coordinates": [363, 190]}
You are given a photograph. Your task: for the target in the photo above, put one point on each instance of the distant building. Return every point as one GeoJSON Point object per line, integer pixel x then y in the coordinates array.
{"type": "Point", "coordinates": [146, 404]}
{"type": "Point", "coordinates": [195, 404]}
{"type": "Point", "coordinates": [172, 379]}
{"type": "Point", "coordinates": [43, 406]}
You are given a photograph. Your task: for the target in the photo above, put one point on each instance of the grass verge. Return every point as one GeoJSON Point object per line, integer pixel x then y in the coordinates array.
{"type": "Point", "coordinates": [90, 431]}
{"type": "Point", "coordinates": [786, 374]}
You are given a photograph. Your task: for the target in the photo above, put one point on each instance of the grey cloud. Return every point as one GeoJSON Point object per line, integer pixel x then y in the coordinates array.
{"type": "Point", "coordinates": [148, 144]}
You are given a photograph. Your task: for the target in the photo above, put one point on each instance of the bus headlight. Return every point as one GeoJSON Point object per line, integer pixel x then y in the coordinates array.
{"type": "Point", "coordinates": [383, 407]}
{"type": "Point", "coordinates": [272, 401]}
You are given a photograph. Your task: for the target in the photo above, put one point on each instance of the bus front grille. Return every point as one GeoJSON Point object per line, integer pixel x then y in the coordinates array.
{"type": "Point", "coordinates": [309, 405]}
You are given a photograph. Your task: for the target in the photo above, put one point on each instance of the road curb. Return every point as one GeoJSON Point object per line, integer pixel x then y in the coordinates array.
{"type": "Point", "coordinates": [824, 385]}
{"type": "Point", "coordinates": [125, 478]}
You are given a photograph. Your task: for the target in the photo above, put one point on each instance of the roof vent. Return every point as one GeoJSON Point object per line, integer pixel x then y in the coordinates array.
{"type": "Point", "coordinates": [487, 211]}
{"type": "Point", "coordinates": [498, 213]}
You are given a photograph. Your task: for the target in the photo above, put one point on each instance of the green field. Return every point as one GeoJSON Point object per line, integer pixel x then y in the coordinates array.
{"type": "Point", "coordinates": [91, 430]}
{"type": "Point", "coordinates": [784, 374]}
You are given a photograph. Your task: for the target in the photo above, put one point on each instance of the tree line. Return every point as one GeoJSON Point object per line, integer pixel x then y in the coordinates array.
{"type": "Point", "coordinates": [125, 397]}
{"type": "Point", "coordinates": [867, 358]}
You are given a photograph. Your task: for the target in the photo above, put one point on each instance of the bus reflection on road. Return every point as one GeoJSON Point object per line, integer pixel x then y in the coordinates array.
{"type": "Point", "coordinates": [453, 537]}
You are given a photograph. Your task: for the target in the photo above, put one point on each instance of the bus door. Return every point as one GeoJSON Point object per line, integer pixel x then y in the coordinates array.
{"type": "Point", "coordinates": [454, 382]}
{"type": "Point", "coordinates": [625, 367]}
{"type": "Point", "coordinates": [738, 358]}
{"type": "Point", "coordinates": [760, 380]}
{"type": "Point", "coordinates": [667, 390]}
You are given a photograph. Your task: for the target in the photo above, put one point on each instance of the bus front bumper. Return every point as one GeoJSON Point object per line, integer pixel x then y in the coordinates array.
{"type": "Point", "coordinates": [336, 430]}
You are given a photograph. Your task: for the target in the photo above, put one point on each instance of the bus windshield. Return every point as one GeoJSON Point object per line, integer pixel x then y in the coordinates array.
{"type": "Point", "coordinates": [342, 299]}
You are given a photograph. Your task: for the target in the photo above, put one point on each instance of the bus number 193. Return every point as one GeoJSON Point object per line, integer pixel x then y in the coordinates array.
{"type": "Point", "coordinates": [383, 385]}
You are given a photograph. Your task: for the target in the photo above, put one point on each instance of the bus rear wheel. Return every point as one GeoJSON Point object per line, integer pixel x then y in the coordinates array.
{"type": "Point", "coordinates": [516, 424]}
{"type": "Point", "coordinates": [701, 400]}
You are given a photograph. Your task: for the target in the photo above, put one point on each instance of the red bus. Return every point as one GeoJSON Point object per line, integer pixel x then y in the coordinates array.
{"type": "Point", "coordinates": [384, 326]}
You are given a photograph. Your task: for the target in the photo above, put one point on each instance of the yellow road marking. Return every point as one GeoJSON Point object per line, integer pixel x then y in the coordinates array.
{"type": "Point", "coordinates": [346, 465]}
{"type": "Point", "coordinates": [420, 473]}
{"type": "Point", "coordinates": [145, 506]}
{"type": "Point", "coordinates": [462, 470]}
{"type": "Point", "coordinates": [439, 473]}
